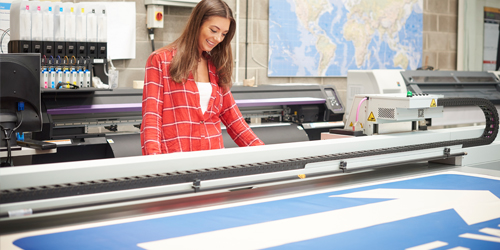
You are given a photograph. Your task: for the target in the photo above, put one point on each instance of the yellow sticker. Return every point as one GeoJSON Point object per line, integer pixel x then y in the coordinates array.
{"type": "Point", "coordinates": [71, 10]}
{"type": "Point", "coordinates": [361, 124]}
{"type": "Point", "coordinates": [302, 176]}
{"type": "Point", "coordinates": [371, 118]}
{"type": "Point", "coordinates": [350, 125]}
{"type": "Point", "coordinates": [433, 103]}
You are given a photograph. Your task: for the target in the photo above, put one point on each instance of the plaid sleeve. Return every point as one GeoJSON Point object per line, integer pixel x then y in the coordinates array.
{"type": "Point", "coordinates": [152, 106]}
{"type": "Point", "coordinates": [236, 126]}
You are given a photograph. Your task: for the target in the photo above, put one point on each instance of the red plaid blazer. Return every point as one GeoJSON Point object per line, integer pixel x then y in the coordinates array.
{"type": "Point", "coordinates": [171, 114]}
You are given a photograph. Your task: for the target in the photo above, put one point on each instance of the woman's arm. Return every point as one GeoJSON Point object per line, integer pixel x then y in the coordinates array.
{"type": "Point", "coordinates": [152, 107]}
{"type": "Point", "coordinates": [236, 126]}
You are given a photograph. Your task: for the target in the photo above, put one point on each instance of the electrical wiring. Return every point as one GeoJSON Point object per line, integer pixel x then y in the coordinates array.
{"type": "Point", "coordinates": [151, 33]}
{"type": "Point", "coordinates": [253, 23]}
{"type": "Point", "coordinates": [8, 135]}
{"type": "Point", "coordinates": [5, 32]}
{"type": "Point", "coordinates": [66, 86]}
{"type": "Point", "coordinates": [105, 68]}
{"type": "Point", "coordinates": [7, 139]}
{"type": "Point", "coordinates": [83, 62]}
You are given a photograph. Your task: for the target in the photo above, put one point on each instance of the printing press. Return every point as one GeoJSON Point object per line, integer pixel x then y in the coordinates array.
{"type": "Point", "coordinates": [384, 137]}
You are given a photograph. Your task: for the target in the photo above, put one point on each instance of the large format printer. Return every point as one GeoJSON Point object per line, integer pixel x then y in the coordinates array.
{"type": "Point", "coordinates": [205, 198]}
{"type": "Point", "coordinates": [95, 124]}
{"type": "Point", "coordinates": [281, 194]}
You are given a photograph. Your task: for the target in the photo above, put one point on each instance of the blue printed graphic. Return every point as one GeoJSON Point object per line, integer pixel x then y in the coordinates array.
{"type": "Point", "coordinates": [444, 226]}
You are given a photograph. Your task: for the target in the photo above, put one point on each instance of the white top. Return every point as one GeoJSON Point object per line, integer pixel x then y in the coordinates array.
{"type": "Point", "coordinates": [205, 90]}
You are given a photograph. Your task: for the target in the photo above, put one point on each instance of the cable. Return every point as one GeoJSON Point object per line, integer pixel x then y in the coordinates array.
{"type": "Point", "coordinates": [111, 62]}
{"type": "Point", "coordinates": [88, 63]}
{"type": "Point", "coordinates": [66, 85]}
{"type": "Point", "coordinates": [426, 68]}
{"type": "Point", "coordinates": [466, 44]}
{"type": "Point", "coordinates": [246, 42]}
{"type": "Point", "coordinates": [106, 72]}
{"type": "Point", "coordinates": [105, 68]}
{"type": "Point", "coordinates": [151, 32]}
{"type": "Point", "coordinates": [7, 139]}
{"type": "Point", "coordinates": [253, 23]}
{"type": "Point", "coordinates": [8, 161]}
{"type": "Point", "coordinates": [9, 156]}
{"type": "Point", "coordinates": [5, 32]}
{"type": "Point", "coordinates": [357, 113]}
{"type": "Point", "coordinates": [82, 62]}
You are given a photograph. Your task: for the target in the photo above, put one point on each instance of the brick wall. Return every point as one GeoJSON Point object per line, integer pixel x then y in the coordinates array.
{"type": "Point", "coordinates": [440, 34]}
{"type": "Point", "coordinates": [439, 45]}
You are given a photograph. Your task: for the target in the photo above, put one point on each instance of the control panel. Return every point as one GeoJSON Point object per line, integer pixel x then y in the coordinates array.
{"type": "Point", "coordinates": [334, 107]}
{"type": "Point", "coordinates": [332, 100]}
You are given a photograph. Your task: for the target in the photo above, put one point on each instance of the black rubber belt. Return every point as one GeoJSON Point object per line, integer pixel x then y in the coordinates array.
{"type": "Point", "coordinates": [115, 184]}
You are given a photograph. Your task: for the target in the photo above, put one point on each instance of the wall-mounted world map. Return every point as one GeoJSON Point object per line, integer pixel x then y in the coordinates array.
{"type": "Point", "coordinates": [329, 37]}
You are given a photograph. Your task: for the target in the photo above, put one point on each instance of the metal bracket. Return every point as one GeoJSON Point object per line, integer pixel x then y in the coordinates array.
{"type": "Point", "coordinates": [196, 185]}
{"type": "Point", "coordinates": [343, 166]}
{"type": "Point", "coordinates": [447, 152]}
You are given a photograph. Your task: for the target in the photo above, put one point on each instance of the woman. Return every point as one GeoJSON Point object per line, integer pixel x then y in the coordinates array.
{"type": "Point", "coordinates": [187, 88]}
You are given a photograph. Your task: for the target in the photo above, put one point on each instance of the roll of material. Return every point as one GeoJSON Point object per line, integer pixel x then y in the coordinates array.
{"type": "Point", "coordinates": [138, 85]}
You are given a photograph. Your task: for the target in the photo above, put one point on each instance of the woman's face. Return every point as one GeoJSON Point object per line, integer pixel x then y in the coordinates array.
{"type": "Point", "coordinates": [212, 32]}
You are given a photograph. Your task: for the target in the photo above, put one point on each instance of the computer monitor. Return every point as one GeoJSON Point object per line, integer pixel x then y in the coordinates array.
{"type": "Point", "coordinates": [19, 83]}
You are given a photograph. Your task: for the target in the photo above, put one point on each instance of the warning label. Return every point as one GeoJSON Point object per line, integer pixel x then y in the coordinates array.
{"type": "Point", "coordinates": [433, 103]}
{"type": "Point", "coordinates": [371, 118]}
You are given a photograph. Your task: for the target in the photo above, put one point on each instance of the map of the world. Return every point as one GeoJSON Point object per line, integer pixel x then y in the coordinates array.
{"type": "Point", "coordinates": [330, 37]}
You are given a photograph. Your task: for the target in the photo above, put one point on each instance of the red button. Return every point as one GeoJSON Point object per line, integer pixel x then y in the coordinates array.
{"type": "Point", "coordinates": [159, 16]}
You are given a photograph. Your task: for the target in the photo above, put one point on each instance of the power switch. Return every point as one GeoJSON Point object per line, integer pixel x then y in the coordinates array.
{"type": "Point", "coordinates": [159, 16]}
{"type": "Point", "coordinates": [154, 16]}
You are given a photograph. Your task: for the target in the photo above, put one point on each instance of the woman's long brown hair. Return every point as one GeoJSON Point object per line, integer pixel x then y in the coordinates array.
{"type": "Point", "coordinates": [187, 57]}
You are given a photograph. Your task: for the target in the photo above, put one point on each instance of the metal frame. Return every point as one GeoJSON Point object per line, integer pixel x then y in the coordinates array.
{"type": "Point", "coordinates": [23, 177]}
